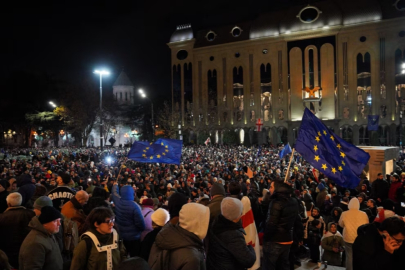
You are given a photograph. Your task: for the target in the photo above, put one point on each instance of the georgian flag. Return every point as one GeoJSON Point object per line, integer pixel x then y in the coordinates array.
{"type": "Point", "coordinates": [249, 226]}
{"type": "Point", "coordinates": [207, 141]}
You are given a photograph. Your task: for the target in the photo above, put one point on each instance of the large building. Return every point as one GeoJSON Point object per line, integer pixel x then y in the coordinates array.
{"type": "Point", "coordinates": [342, 59]}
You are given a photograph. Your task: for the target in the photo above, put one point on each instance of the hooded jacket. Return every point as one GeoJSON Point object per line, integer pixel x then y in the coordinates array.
{"type": "Point", "coordinates": [40, 249]}
{"type": "Point", "coordinates": [129, 218]}
{"type": "Point", "coordinates": [228, 249]}
{"type": "Point", "coordinates": [26, 189]}
{"type": "Point", "coordinates": [330, 241]}
{"type": "Point", "coordinates": [351, 220]}
{"type": "Point", "coordinates": [183, 242]}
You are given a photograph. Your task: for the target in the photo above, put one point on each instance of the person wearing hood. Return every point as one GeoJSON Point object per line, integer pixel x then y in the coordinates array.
{"type": "Point", "coordinates": [227, 245]}
{"type": "Point", "coordinates": [40, 250]}
{"type": "Point", "coordinates": [175, 203]}
{"type": "Point", "coordinates": [278, 232]}
{"type": "Point", "coordinates": [377, 247]}
{"type": "Point", "coordinates": [334, 217]}
{"type": "Point", "coordinates": [147, 211]}
{"type": "Point", "coordinates": [182, 244]}
{"type": "Point", "coordinates": [395, 185]}
{"type": "Point", "coordinates": [332, 244]}
{"type": "Point", "coordinates": [130, 221]}
{"type": "Point", "coordinates": [350, 221]}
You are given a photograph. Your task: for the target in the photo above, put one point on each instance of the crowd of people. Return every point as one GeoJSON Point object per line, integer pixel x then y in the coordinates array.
{"type": "Point", "coordinates": [222, 207]}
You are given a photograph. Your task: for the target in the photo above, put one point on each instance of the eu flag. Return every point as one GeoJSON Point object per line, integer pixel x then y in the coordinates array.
{"type": "Point", "coordinates": [162, 151]}
{"type": "Point", "coordinates": [372, 122]}
{"type": "Point", "coordinates": [286, 150]}
{"type": "Point", "coordinates": [339, 160]}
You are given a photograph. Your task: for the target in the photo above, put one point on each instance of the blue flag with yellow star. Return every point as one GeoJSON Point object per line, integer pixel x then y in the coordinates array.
{"type": "Point", "coordinates": [162, 151]}
{"type": "Point", "coordinates": [286, 150]}
{"type": "Point", "coordinates": [339, 160]}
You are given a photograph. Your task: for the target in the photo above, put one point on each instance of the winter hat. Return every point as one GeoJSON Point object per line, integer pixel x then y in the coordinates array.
{"type": "Point", "coordinates": [160, 217]}
{"type": "Point", "coordinates": [195, 218]}
{"type": "Point", "coordinates": [42, 201]}
{"type": "Point", "coordinates": [321, 187]}
{"type": "Point", "coordinates": [175, 203]}
{"type": "Point", "coordinates": [231, 208]}
{"type": "Point", "coordinates": [48, 214]}
{"type": "Point", "coordinates": [169, 185]}
{"type": "Point", "coordinates": [148, 202]}
{"type": "Point", "coordinates": [217, 189]}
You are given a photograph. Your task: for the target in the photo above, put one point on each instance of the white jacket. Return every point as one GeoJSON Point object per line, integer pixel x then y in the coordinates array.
{"type": "Point", "coordinates": [352, 219]}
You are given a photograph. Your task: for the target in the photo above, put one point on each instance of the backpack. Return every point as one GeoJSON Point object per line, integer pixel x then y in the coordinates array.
{"type": "Point", "coordinates": [70, 235]}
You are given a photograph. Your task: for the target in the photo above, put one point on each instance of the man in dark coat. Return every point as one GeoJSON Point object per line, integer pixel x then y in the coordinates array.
{"type": "Point", "coordinates": [278, 233]}
{"type": "Point", "coordinates": [227, 246]}
{"type": "Point", "coordinates": [375, 248]}
{"type": "Point", "coordinates": [379, 189]}
{"type": "Point", "coordinates": [14, 227]}
{"type": "Point", "coordinates": [26, 189]}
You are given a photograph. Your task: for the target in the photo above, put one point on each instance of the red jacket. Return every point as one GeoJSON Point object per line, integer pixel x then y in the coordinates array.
{"type": "Point", "coordinates": [393, 190]}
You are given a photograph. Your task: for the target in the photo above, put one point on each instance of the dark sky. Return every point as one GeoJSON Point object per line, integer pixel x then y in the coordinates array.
{"type": "Point", "coordinates": [69, 39]}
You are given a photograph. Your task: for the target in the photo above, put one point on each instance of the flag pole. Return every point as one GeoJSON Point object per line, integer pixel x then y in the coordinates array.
{"type": "Point", "coordinates": [289, 164]}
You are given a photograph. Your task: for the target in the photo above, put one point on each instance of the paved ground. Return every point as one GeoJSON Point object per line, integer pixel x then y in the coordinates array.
{"type": "Point", "coordinates": [312, 266]}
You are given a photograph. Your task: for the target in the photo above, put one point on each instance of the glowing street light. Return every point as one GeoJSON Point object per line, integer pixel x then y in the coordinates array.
{"type": "Point", "coordinates": [52, 104]}
{"type": "Point", "coordinates": [101, 73]}
{"type": "Point", "coordinates": [143, 95]}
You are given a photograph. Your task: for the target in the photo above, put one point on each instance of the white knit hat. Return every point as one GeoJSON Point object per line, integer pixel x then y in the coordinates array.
{"type": "Point", "coordinates": [231, 208]}
{"type": "Point", "coordinates": [195, 217]}
{"type": "Point", "coordinates": [160, 217]}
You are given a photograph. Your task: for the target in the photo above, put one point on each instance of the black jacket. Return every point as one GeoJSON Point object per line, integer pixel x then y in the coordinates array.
{"type": "Point", "coordinates": [14, 228]}
{"type": "Point", "coordinates": [281, 216]}
{"type": "Point", "coordinates": [368, 250]}
{"type": "Point", "coordinates": [227, 246]}
{"type": "Point", "coordinates": [379, 189]}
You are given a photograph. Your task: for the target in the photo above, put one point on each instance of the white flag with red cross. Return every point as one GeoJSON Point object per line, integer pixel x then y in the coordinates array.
{"type": "Point", "coordinates": [249, 225]}
{"type": "Point", "coordinates": [207, 141]}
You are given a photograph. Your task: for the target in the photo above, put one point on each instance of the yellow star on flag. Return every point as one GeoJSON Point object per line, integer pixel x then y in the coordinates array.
{"type": "Point", "coordinates": [342, 154]}
{"type": "Point", "coordinates": [144, 151]}
{"type": "Point", "coordinates": [334, 170]}
{"type": "Point", "coordinates": [317, 158]}
{"type": "Point", "coordinates": [166, 146]}
{"type": "Point", "coordinates": [164, 154]}
{"type": "Point", "coordinates": [162, 143]}
{"type": "Point", "coordinates": [338, 146]}
{"type": "Point", "coordinates": [331, 137]}
{"type": "Point", "coordinates": [315, 148]}
{"type": "Point", "coordinates": [143, 155]}
{"type": "Point", "coordinates": [147, 148]}
{"type": "Point", "coordinates": [324, 167]}
{"type": "Point", "coordinates": [150, 143]}
{"type": "Point", "coordinates": [158, 156]}
{"type": "Point", "coordinates": [324, 132]}
{"type": "Point", "coordinates": [166, 150]}
{"type": "Point", "coordinates": [319, 133]}
{"type": "Point", "coordinates": [343, 163]}
{"type": "Point", "coordinates": [151, 157]}
{"type": "Point", "coordinates": [317, 139]}
{"type": "Point", "coordinates": [340, 168]}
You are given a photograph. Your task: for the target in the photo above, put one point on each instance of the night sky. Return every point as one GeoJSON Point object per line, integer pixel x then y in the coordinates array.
{"type": "Point", "coordinates": [68, 40]}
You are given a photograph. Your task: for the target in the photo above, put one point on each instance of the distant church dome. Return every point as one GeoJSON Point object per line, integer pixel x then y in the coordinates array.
{"type": "Point", "coordinates": [123, 80]}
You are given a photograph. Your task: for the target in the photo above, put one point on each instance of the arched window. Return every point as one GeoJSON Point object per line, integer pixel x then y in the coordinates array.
{"type": "Point", "coordinates": [364, 136]}
{"type": "Point", "coordinates": [121, 96]}
{"type": "Point", "coordinates": [126, 96]}
{"type": "Point", "coordinates": [347, 135]}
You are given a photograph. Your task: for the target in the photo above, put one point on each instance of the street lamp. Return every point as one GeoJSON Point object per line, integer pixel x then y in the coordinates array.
{"type": "Point", "coordinates": [52, 104]}
{"type": "Point", "coordinates": [143, 95]}
{"type": "Point", "coordinates": [101, 73]}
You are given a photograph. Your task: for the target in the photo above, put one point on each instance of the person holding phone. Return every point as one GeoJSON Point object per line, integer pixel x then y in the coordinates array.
{"type": "Point", "coordinates": [375, 246]}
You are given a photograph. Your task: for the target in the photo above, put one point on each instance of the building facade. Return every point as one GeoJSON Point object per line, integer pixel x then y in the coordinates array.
{"type": "Point", "coordinates": [341, 59]}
